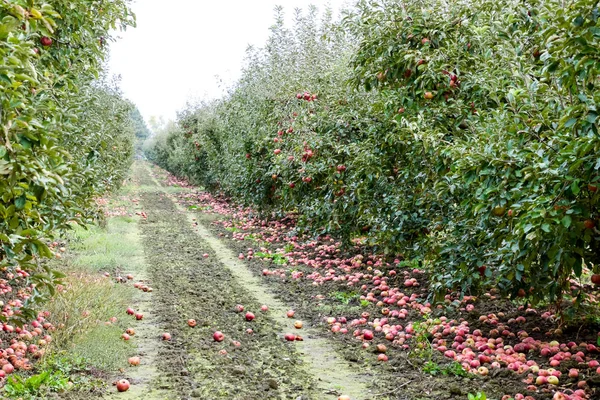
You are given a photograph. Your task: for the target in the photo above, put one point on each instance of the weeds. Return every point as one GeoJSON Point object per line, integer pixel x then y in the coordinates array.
{"type": "Point", "coordinates": [34, 386]}
{"type": "Point", "coordinates": [288, 248]}
{"type": "Point", "coordinates": [106, 249]}
{"type": "Point", "coordinates": [83, 306]}
{"type": "Point", "coordinates": [345, 297]}
{"type": "Point", "coordinates": [422, 338]}
{"type": "Point", "coordinates": [453, 369]}
{"type": "Point", "coordinates": [276, 257]}
{"type": "Point", "coordinates": [478, 396]}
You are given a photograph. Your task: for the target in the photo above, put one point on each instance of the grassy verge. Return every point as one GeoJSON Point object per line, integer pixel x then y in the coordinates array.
{"type": "Point", "coordinates": [88, 310]}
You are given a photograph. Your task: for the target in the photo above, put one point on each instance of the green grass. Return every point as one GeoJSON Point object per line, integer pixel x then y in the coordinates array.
{"type": "Point", "coordinates": [82, 312]}
{"type": "Point", "coordinates": [345, 297]}
{"type": "Point", "coordinates": [56, 374]}
{"type": "Point", "coordinates": [113, 249]}
{"type": "Point", "coordinates": [92, 299]}
{"type": "Point", "coordinates": [103, 348]}
{"type": "Point", "coordinates": [31, 387]}
{"type": "Point", "coordinates": [277, 258]}
{"type": "Point", "coordinates": [453, 369]}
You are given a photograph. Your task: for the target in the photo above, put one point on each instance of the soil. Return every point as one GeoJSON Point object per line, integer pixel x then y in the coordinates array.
{"type": "Point", "coordinates": [401, 378]}
{"type": "Point", "coordinates": [188, 285]}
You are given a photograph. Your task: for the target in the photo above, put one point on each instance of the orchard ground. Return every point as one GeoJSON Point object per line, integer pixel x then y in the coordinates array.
{"type": "Point", "coordinates": [366, 328]}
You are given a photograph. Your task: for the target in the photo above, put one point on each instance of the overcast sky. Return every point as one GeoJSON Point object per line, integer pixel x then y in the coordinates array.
{"type": "Point", "coordinates": [180, 47]}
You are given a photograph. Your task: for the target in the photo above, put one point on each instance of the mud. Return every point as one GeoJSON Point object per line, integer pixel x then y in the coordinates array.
{"type": "Point", "coordinates": [188, 285]}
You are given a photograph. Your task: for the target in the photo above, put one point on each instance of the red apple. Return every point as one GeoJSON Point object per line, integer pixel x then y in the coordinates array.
{"type": "Point", "coordinates": [596, 279]}
{"type": "Point", "coordinates": [46, 41]}
{"type": "Point", "coordinates": [573, 373]}
{"type": "Point", "coordinates": [589, 224]}
{"type": "Point", "coordinates": [249, 316]}
{"type": "Point", "coordinates": [218, 336]}
{"type": "Point", "coordinates": [191, 323]}
{"type": "Point", "coordinates": [123, 385]}
{"type": "Point", "coordinates": [290, 337]}
{"type": "Point", "coordinates": [8, 368]}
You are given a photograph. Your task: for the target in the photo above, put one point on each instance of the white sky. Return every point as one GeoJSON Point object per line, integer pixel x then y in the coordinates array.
{"type": "Point", "coordinates": [180, 47]}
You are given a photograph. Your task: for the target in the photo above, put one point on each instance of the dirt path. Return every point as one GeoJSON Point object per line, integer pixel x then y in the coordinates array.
{"type": "Point", "coordinates": [256, 365]}
{"type": "Point", "coordinates": [145, 378]}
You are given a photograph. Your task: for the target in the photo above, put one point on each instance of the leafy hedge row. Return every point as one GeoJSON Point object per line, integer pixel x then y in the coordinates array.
{"type": "Point", "coordinates": [65, 131]}
{"type": "Point", "coordinates": [465, 133]}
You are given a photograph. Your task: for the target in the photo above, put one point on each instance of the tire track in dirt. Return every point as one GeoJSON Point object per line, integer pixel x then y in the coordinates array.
{"type": "Point", "coordinates": [144, 378]}
{"type": "Point", "coordinates": [187, 285]}
{"type": "Point", "coordinates": [331, 373]}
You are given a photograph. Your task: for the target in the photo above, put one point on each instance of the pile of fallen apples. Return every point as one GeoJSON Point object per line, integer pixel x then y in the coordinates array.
{"type": "Point", "coordinates": [20, 344]}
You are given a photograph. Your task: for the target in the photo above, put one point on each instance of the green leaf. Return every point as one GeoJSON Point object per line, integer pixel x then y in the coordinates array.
{"type": "Point", "coordinates": [546, 227]}
{"type": "Point", "coordinates": [570, 122]}
{"type": "Point", "coordinates": [5, 167]}
{"type": "Point", "coordinates": [577, 267]}
{"type": "Point", "coordinates": [20, 202]}
{"type": "Point", "coordinates": [575, 188]}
